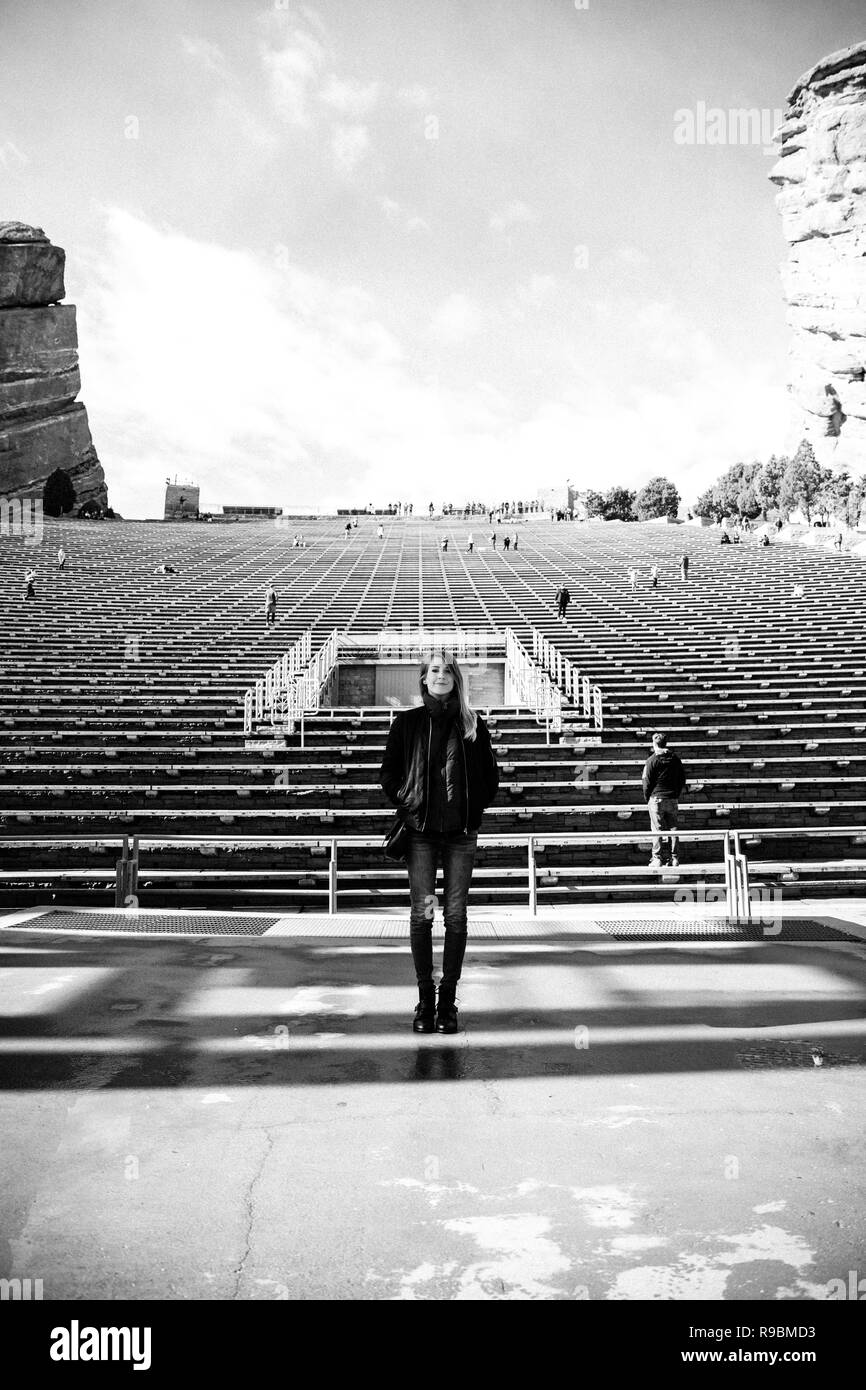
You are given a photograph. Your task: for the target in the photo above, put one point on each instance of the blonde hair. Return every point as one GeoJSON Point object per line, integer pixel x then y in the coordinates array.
{"type": "Point", "coordinates": [468, 717]}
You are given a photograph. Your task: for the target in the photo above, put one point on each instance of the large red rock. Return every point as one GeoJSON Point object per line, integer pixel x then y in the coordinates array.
{"type": "Point", "coordinates": [30, 450]}
{"type": "Point", "coordinates": [34, 342]}
{"type": "Point", "coordinates": [38, 361]}
{"type": "Point", "coordinates": [33, 396]}
{"type": "Point", "coordinates": [42, 428]}
{"type": "Point", "coordinates": [20, 231]}
{"type": "Point", "coordinates": [31, 274]}
{"type": "Point", "coordinates": [821, 177]}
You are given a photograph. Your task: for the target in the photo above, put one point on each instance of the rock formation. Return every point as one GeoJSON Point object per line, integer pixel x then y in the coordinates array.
{"type": "Point", "coordinates": [42, 426]}
{"type": "Point", "coordinates": [822, 198]}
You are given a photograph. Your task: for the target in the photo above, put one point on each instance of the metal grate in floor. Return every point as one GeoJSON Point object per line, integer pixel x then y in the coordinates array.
{"type": "Point", "coordinates": [155, 923]}
{"type": "Point", "coordinates": [722, 929]}
{"type": "Point", "coordinates": [152, 923]}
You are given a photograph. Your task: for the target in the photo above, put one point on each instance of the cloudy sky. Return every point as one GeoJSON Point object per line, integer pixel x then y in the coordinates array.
{"type": "Point", "coordinates": [423, 249]}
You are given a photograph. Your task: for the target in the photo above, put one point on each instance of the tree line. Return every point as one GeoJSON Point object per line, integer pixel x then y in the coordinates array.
{"type": "Point", "coordinates": [658, 498]}
{"type": "Point", "coordinates": [785, 485]}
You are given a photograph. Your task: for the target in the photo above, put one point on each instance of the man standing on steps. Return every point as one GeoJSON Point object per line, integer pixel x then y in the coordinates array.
{"type": "Point", "coordinates": [270, 605]}
{"type": "Point", "coordinates": [664, 781]}
{"type": "Point", "coordinates": [562, 601]}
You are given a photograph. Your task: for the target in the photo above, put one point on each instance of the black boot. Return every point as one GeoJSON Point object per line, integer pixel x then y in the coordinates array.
{"type": "Point", "coordinates": [446, 1010]}
{"type": "Point", "coordinates": [424, 1010]}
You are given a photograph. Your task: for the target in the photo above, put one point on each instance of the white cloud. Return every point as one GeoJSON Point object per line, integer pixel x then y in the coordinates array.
{"type": "Point", "coordinates": [292, 73]}
{"type": "Point", "coordinates": [396, 213]}
{"type": "Point", "coordinates": [208, 56]}
{"type": "Point", "coordinates": [350, 144]}
{"type": "Point", "coordinates": [535, 291]}
{"type": "Point", "coordinates": [514, 214]}
{"type": "Point", "coordinates": [10, 155]}
{"type": "Point", "coordinates": [282, 370]}
{"type": "Point", "coordinates": [314, 19]}
{"type": "Point", "coordinates": [666, 338]}
{"type": "Point", "coordinates": [286, 387]}
{"type": "Point", "coordinates": [631, 256]}
{"type": "Point", "coordinates": [456, 319]}
{"type": "Point", "coordinates": [350, 98]}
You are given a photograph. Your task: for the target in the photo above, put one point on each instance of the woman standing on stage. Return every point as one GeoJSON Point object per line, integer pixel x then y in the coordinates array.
{"type": "Point", "coordinates": [440, 771]}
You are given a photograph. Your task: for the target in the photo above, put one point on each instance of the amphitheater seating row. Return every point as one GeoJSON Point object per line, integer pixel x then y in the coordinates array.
{"type": "Point", "coordinates": [121, 702]}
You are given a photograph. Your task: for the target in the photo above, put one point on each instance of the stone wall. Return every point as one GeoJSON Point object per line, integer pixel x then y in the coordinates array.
{"type": "Point", "coordinates": [357, 685]}
{"type": "Point", "coordinates": [42, 426]}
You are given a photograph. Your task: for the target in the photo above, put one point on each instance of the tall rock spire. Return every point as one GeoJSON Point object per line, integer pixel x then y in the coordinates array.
{"type": "Point", "coordinates": [42, 426]}
{"type": "Point", "coordinates": [822, 198]}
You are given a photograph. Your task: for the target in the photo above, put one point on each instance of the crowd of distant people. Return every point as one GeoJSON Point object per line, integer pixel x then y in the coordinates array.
{"type": "Point", "coordinates": [500, 512]}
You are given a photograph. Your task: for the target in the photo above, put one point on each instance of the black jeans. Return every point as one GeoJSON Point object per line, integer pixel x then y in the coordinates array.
{"type": "Point", "coordinates": [457, 855]}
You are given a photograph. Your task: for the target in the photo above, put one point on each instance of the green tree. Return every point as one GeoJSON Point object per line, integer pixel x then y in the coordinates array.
{"type": "Point", "coordinates": [832, 500]}
{"type": "Point", "coordinates": [707, 505]}
{"type": "Point", "coordinates": [594, 503]}
{"type": "Point", "coordinates": [58, 494]}
{"type": "Point", "coordinates": [802, 482]}
{"type": "Point", "coordinates": [727, 490]}
{"type": "Point", "coordinates": [619, 505]}
{"type": "Point", "coordinates": [768, 482]}
{"type": "Point", "coordinates": [856, 500]}
{"type": "Point", "coordinates": [658, 498]}
{"type": "Point", "coordinates": [747, 501]}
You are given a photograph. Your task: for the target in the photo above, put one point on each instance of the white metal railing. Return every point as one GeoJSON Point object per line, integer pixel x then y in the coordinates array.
{"type": "Point", "coordinates": [292, 686]}
{"type": "Point", "coordinates": [302, 693]}
{"type": "Point", "coordinates": [276, 679]}
{"type": "Point", "coordinates": [532, 684]}
{"type": "Point", "coordinates": [414, 642]}
{"type": "Point", "coordinates": [579, 689]}
{"type": "Point", "coordinates": [737, 890]}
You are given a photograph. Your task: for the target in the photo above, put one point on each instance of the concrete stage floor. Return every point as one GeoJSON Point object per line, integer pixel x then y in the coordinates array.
{"type": "Point", "coordinates": [235, 1117]}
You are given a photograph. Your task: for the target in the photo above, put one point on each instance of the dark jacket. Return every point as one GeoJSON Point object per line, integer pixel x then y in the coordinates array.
{"type": "Point", "coordinates": [409, 778]}
{"type": "Point", "coordinates": [663, 775]}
